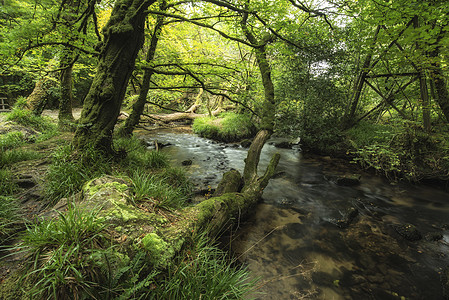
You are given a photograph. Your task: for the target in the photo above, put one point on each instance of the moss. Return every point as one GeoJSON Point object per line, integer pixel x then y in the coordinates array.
{"type": "Point", "coordinates": [160, 251]}
{"type": "Point", "coordinates": [120, 187]}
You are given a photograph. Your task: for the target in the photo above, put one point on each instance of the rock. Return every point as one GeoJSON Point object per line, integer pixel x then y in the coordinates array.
{"type": "Point", "coordinates": [348, 180]}
{"type": "Point", "coordinates": [409, 232]}
{"type": "Point", "coordinates": [187, 162]}
{"type": "Point", "coordinates": [434, 236]}
{"type": "Point", "coordinates": [284, 145]}
{"type": "Point", "coordinates": [347, 218]}
{"type": "Point", "coordinates": [245, 143]}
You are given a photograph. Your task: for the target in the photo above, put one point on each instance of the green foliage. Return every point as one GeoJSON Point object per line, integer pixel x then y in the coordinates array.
{"type": "Point", "coordinates": [69, 171]}
{"type": "Point", "coordinates": [204, 272]}
{"type": "Point", "coordinates": [27, 118]}
{"type": "Point", "coordinates": [228, 127]}
{"type": "Point", "coordinates": [7, 185]}
{"type": "Point", "coordinates": [65, 254]}
{"type": "Point", "coordinates": [11, 140]}
{"type": "Point", "coordinates": [9, 214]}
{"type": "Point", "coordinates": [138, 156]}
{"type": "Point", "coordinates": [11, 157]}
{"type": "Point", "coordinates": [399, 149]}
{"type": "Point", "coordinates": [169, 189]}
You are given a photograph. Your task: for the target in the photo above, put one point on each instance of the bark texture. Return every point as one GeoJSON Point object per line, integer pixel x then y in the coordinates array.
{"type": "Point", "coordinates": [139, 106]}
{"type": "Point", "coordinates": [123, 38]}
{"type": "Point", "coordinates": [38, 98]}
{"type": "Point", "coordinates": [65, 115]}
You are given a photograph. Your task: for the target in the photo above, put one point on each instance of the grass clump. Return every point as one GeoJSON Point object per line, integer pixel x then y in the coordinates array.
{"type": "Point", "coordinates": [66, 254]}
{"type": "Point", "coordinates": [228, 127]}
{"type": "Point", "coordinates": [11, 140]}
{"type": "Point", "coordinates": [11, 157]}
{"type": "Point", "coordinates": [9, 215]}
{"type": "Point", "coordinates": [203, 271]}
{"type": "Point", "coordinates": [169, 189]}
{"type": "Point", "coordinates": [138, 156]}
{"type": "Point", "coordinates": [7, 185]}
{"type": "Point", "coordinates": [69, 171]}
{"type": "Point", "coordinates": [27, 118]}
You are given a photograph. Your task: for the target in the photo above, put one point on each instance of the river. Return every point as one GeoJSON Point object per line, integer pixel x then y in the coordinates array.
{"type": "Point", "coordinates": [292, 242]}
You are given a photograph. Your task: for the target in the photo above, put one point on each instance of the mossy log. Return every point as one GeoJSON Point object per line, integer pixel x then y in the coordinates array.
{"type": "Point", "coordinates": [142, 229]}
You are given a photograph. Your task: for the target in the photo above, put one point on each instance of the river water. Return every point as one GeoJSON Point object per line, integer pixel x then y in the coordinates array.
{"type": "Point", "coordinates": [292, 244]}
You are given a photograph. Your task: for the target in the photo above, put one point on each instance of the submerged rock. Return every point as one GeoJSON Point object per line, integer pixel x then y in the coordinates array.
{"type": "Point", "coordinates": [348, 180]}
{"type": "Point", "coordinates": [347, 218]}
{"type": "Point", "coordinates": [409, 232]}
{"type": "Point", "coordinates": [187, 162]}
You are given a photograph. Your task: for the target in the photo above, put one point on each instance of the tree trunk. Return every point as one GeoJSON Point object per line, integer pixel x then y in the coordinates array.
{"type": "Point", "coordinates": [438, 78]}
{"type": "Point", "coordinates": [139, 106]}
{"type": "Point", "coordinates": [123, 38]}
{"type": "Point", "coordinates": [268, 109]}
{"type": "Point", "coordinates": [65, 115]}
{"type": "Point", "coordinates": [423, 86]}
{"type": "Point", "coordinates": [38, 98]}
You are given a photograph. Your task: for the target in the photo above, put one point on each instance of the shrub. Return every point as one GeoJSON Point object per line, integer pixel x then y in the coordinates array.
{"type": "Point", "coordinates": [229, 127]}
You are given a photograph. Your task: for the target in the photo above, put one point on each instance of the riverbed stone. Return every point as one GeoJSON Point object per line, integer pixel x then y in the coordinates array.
{"type": "Point", "coordinates": [445, 282]}
{"type": "Point", "coordinates": [348, 180]}
{"type": "Point", "coordinates": [409, 232]}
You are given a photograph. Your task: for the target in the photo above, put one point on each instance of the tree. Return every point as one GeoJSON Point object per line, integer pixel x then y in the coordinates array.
{"type": "Point", "coordinates": [123, 38]}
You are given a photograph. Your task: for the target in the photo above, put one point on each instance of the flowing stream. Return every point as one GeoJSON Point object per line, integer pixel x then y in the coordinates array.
{"type": "Point", "coordinates": [292, 242]}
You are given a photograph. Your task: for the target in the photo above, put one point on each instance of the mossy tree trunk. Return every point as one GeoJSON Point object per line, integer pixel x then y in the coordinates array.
{"type": "Point", "coordinates": [269, 105]}
{"type": "Point", "coordinates": [139, 106]}
{"type": "Point", "coordinates": [38, 98]}
{"type": "Point", "coordinates": [65, 115]}
{"type": "Point", "coordinates": [123, 38]}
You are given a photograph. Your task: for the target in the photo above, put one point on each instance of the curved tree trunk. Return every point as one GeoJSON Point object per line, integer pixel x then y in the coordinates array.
{"type": "Point", "coordinates": [123, 38]}
{"type": "Point", "coordinates": [139, 106]}
{"type": "Point", "coordinates": [38, 98]}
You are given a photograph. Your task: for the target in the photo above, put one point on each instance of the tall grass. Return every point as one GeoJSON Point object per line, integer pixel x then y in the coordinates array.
{"type": "Point", "coordinates": [204, 272]}
{"type": "Point", "coordinates": [27, 118]}
{"type": "Point", "coordinates": [68, 172]}
{"type": "Point", "coordinates": [138, 157]}
{"type": "Point", "coordinates": [169, 190]}
{"type": "Point", "coordinates": [9, 215]}
{"type": "Point", "coordinates": [7, 185]}
{"type": "Point", "coordinates": [64, 254]}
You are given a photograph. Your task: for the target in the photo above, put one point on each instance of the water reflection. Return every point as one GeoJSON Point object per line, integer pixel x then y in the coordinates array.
{"type": "Point", "coordinates": [293, 245]}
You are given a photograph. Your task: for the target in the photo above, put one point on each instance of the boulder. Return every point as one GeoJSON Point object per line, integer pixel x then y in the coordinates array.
{"type": "Point", "coordinates": [409, 232]}
{"type": "Point", "coordinates": [348, 180]}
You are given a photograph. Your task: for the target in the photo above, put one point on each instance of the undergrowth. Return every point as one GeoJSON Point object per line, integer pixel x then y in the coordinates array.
{"type": "Point", "coordinates": [400, 151]}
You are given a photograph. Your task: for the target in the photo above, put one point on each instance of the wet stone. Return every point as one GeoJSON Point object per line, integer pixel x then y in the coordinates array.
{"type": "Point", "coordinates": [348, 180]}
{"type": "Point", "coordinates": [434, 236]}
{"type": "Point", "coordinates": [409, 232]}
{"type": "Point", "coordinates": [187, 162]}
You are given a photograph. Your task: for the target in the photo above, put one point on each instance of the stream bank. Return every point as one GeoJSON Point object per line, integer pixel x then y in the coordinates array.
{"type": "Point", "coordinates": [295, 243]}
